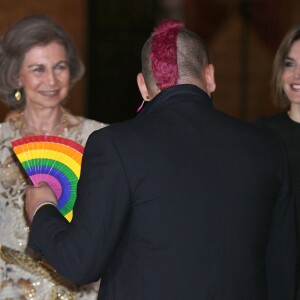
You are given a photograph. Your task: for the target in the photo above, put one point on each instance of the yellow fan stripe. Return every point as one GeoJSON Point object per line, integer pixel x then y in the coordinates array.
{"type": "Point", "coordinates": [69, 216]}
{"type": "Point", "coordinates": [50, 154]}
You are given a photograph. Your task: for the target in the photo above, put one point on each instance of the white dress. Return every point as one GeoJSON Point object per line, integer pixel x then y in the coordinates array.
{"type": "Point", "coordinates": [21, 276]}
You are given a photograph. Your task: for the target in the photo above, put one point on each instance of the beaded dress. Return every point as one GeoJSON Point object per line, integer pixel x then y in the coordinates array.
{"type": "Point", "coordinates": [21, 276]}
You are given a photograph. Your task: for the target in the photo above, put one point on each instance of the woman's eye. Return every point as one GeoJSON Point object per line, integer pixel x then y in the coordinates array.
{"type": "Point", "coordinates": [288, 64]}
{"type": "Point", "coordinates": [62, 66]}
{"type": "Point", "coordinates": [38, 69]}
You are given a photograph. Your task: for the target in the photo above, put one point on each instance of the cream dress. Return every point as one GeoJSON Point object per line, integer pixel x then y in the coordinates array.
{"type": "Point", "coordinates": [21, 276]}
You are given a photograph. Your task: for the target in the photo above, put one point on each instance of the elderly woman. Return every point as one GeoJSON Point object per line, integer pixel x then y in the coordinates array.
{"type": "Point", "coordinates": [39, 64]}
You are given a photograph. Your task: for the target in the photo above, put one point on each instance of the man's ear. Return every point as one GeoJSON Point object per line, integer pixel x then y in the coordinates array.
{"type": "Point", "coordinates": [210, 82]}
{"type": "Point", "coordinates": [142, 87]}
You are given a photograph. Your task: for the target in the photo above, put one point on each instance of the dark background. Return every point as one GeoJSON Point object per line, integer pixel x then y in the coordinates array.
{"type": "Point", "coordinates": [242, 37]}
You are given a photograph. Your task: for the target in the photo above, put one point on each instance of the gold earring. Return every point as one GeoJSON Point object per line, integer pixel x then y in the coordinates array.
{"type": "Point", "coordinates": [18, 95]}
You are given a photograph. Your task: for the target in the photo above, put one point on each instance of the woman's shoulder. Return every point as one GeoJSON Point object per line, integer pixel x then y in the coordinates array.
{"type": "Point", "coordinates": [90, 125]}
{"type": "Point", "coordinates": [4, 126]}
{"type": "Point", "coordinates": [277, 119]}
{"type": "Point", "coordinates": [84, 127]}
{"type": "Point", "coordinates": [9, 130]}
{"type": "Point", "coordinates": [3, 130]}
{"type": "Point", "coordinates": [280, 124]}
{"type": "Point", "coordinates": [93, 125]}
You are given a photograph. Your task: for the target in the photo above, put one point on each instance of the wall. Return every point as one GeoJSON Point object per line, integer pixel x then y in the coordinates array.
{"type": "Point", "coordinates": [118, 32]}
{"type": "Point", "coordinates": [242, 37]}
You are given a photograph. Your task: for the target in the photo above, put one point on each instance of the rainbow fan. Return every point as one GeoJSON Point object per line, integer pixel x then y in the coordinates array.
{"type": "Point", "coordinates": [55, 160]}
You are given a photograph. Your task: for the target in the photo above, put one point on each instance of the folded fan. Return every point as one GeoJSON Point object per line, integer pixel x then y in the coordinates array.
{"type": "Point", "coordinates": [55, 160]}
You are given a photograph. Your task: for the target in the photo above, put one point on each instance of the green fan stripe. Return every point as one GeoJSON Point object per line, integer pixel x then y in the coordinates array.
{"type": "Point", "coordinates": [35, 163]}
{"type": "Point", "coordinates": [72, 178]}
{"type": "Point", "coordinates": [69, 205]}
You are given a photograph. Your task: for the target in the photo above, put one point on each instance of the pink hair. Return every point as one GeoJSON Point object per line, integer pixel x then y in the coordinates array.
{"type": "Point", "coordinates": [164, 53]}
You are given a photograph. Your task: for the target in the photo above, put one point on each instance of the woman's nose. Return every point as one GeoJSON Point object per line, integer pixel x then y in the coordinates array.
{"type": "Point", "coordinates": [297, 72]}
{"type": "Point", "coordinates": [51, 78]}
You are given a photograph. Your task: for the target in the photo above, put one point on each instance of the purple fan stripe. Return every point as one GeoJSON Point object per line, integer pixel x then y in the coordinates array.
{"type": "Point", "coordinates": [60, 177]}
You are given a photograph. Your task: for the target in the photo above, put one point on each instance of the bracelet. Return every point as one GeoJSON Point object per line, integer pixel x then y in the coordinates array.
{"type": "Point", "coordinates": [41, 204]}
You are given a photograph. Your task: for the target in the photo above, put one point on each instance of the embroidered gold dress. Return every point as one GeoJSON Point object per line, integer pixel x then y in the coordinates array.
{"type": "Point", "coordinates": [21, 276]}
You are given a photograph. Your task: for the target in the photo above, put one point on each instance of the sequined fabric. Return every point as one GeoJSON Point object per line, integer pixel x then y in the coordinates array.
{"type": "Point", "coordinates": [21, 276]}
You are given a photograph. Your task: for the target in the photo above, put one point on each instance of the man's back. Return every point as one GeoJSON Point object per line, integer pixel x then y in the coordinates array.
{"type": "Point", "coordinates": [208, 195]}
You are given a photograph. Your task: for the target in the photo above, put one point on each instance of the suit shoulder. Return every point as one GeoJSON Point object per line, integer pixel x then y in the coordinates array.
{"type": "Point", "coordinates": [113, 131]}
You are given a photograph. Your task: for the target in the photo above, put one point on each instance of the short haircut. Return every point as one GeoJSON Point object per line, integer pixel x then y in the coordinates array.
{"type": "Point", "coordinates": [279, 97]}
{"type": "Point", "coordinates": [160, 67]}
{"type": "Point", "coordinates": [25, 34]}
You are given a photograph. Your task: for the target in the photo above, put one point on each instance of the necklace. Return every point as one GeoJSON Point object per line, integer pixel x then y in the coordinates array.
{"type": "Point", "coordinates": [61, 128]}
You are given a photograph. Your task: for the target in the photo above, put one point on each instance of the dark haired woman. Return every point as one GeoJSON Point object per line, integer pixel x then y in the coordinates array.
{"type": "Point", "coordinates": [39, 64]}
{"type": "Point", "coordinates": [286, 90]}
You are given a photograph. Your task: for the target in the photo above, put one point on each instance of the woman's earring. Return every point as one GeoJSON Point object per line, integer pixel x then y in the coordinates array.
{"type": "Point", "coordinates": [18, 95]}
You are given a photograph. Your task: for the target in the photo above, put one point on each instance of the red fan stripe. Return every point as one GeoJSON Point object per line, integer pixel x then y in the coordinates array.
{"type": "Point", "coordinates": [49, 138]}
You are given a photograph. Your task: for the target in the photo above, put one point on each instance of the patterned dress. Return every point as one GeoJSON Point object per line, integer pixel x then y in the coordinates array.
{"type": "Point", "coordinates": [21, 276]}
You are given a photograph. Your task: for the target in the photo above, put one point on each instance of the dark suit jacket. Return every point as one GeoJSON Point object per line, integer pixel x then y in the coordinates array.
{"type": "Point", "coordinates": [182, 202]}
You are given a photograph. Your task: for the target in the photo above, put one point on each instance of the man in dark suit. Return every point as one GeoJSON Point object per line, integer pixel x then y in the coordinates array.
{"type": "Point", "coordinates": [182, 202]}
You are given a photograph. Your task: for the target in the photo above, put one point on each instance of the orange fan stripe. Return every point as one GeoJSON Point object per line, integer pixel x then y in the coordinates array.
{"type": "Point", "coordinates": [60, 148]}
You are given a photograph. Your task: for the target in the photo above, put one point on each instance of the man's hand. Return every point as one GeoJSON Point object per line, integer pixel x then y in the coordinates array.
{"type": "Point", "coordinates": [35, 196]}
